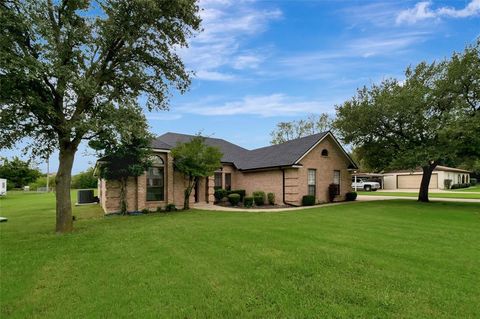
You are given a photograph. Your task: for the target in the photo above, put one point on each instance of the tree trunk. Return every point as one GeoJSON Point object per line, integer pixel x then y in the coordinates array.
{"type": "Point", "coordinates": [427, 175]}
{"type": "Point", "coordinates": [64, 222]}
{"type": "Point", "coordinates": [123, 195]}
{"type": "Point", "coordinates": [187, 192]}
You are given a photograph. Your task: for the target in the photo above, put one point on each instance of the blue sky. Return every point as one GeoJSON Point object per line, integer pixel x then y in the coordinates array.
{"type": "Point", "coordinates": [261, 62]}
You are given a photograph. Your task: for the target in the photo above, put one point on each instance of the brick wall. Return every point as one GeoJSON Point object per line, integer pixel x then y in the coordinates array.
{"type": "Point", "coordinates": [325, 165]}
{"type": "Point", "coordinates": [267, 181]}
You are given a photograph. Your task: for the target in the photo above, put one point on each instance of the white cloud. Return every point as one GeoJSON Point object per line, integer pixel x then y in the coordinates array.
{"type": "Point", "coordinates": [473, 8]}
{"type": "Point", "coordinates": [422, 11]}
{"type": "Point", "coordinates": [227, 25]}
{"type": "Point", "coordinates": [385, 44]}
{"type": "Point", "coordinates": [214, 76]}
{"type": "Point", "coordinates": [349, 56]}
{"type": "Point", "coordinates": [248, 61]}
{"type": "Point", "coordinates": [163, 117]}
{"type": "Point", "coordinates": [261, 105]}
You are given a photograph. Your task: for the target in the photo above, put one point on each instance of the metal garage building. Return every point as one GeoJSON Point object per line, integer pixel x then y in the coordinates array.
{"type": "Point", "coordinates": [412, 179]}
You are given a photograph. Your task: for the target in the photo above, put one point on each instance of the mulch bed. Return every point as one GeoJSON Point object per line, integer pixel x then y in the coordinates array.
{"type": "Point", "coordinates": [240, 205]}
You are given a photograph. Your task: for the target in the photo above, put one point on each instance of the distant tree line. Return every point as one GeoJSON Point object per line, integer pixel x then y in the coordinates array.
{"type": "Point", "coordinates": [19, 173]}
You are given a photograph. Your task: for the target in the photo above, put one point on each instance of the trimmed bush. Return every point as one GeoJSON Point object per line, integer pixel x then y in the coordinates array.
{"type": "Point", "coordinates": [170, 208]}
{"type": "Point", "coordinates": [145, 211]}
{"type": "Point", "coordinates": [259, 198]}
{"type": "Point", "coordinates": [308, 200]}
{"type": "Point", "coordinates": [461, 185]}
{"type": "Point", "coordinates": [351, 196]}
{"type": "Point", "coordinates": [219, 194]}
{"type": "Point", "coordinates": [240, 192]}
{"type": "Point", "coordinates": [248, 201]}
{"type": "Point", "coordinates": [332, 191]}
{"type": "Point", "coordinates": [473, 181]}
{"type": "Point", "coordinates": [234, 199]}
{"type": "Point", "coordinates": [271, 198]}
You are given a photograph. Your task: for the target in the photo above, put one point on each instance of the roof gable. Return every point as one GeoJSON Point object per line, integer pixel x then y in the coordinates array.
{"type": "Point", "coordinates": [285, 154]}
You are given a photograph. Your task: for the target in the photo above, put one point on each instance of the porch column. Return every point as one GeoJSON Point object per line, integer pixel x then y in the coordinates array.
{"type": "Point", "coordinates": [211, 189]}
{"type": "Point", "coordinates": [141, 191]}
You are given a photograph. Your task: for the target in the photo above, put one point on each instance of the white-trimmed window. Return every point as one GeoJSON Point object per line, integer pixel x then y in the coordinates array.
{"type": "Point", "coordinates": [218, 179]}
{"type": "Point", "coordinates": [155, 180]}
{"type": "Point", "coordinates": [336, 180]}
{"type": "Point", "coordinates": [312, 182]}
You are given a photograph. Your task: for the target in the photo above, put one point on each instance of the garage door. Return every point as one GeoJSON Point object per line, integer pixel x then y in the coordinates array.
{"type": "Point", "coordinates": [413, 181]}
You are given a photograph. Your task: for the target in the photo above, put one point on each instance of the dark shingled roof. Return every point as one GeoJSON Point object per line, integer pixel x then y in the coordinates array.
{"type": "Point", "coordinates": [231, 152]}
{"type": "Point", "coordinates": [285, 154]}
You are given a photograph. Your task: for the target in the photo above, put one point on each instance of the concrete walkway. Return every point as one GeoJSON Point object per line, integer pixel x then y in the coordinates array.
{"type": "Point", "coordinates": [360, 198]}
{"type": "Point", "coordinates": [411, 190]}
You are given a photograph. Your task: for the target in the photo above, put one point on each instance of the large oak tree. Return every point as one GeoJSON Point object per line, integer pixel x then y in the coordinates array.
{"type": "Point", "coordinates": [429, 119]}
{"type": "Point", "coordinates": [67, 66]}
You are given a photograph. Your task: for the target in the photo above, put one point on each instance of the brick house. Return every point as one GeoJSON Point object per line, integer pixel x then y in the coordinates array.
{"type": "Point", "coordinates": [306, 165]}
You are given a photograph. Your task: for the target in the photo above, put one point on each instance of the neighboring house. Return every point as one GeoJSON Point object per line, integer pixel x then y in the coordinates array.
{"type": "Point", "coordinates": [290, 170]}
{"type": "Point", "coordinates": [408, 179]}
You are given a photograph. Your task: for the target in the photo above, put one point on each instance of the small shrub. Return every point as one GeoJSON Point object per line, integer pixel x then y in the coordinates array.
{"type": "Point", "coordinates": [271, 198]}
{"type": "Point", "coordinates": [447, 183]}
{"type": "Point", "coordinates": [259, 198]}
{"type": "Point", "coordinates": [248, 201]}
{"type": "Point", "coordinates": [219, 194]}
{"type": "Point", "coordinates": [170, 208]}
{"type": "Point", "coordinates": [460, 185]}
{"type": "Point", "coordinates": [332, 191]}
{"type": "Point", "coordinates": [145, 211]}
{"type": "Point", "coordinates": [159, 209]}
{"type": "Point", "coordinates": [351, 196]}
{"type": "Point", "coordinates": [473, 181]}
{"type": "Point", "coordinates": [308, 200]}
{"type": "Point", "coordinates": [240, 192]}
{"type": "Point", "coordinates": [234, 199]}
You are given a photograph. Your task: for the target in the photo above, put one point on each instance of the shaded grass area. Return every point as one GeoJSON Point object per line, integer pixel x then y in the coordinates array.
{"type": "Point", "coordinates": [399, 259]}
{"type": "Point", "coordinates": [430, 194]}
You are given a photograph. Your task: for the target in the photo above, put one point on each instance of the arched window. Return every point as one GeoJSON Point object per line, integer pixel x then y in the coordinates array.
{"type": "Point", "coordinates": [155, 180]}
{"type": "Point", "coordinates": [324, 152]}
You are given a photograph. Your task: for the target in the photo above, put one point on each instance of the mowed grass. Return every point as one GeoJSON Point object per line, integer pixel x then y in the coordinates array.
{"type": "Point", "coordinates": [395, 259]}
{"type": "Point", "coordinates": [475, 188]}
{"type": "Point", "coordinates": [415, 194]}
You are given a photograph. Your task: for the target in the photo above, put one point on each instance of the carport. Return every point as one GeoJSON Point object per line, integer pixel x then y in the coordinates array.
{"type": "Point", "coordinates": [374, 177]}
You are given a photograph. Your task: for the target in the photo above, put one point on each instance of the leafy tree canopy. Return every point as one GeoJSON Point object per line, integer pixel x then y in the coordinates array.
{"type": "Point", "coordinates": [430, 118]}
{"type": "Point", "coordinates": [195, 159]}
{"type": "Point", "coordinates": [313, 124]}
{"type": "Point", "coordinates": [84, 179]}
{"type": "Point", "coordinates": [17, 172]}
{"type": "Point", "coordinates": [66, 68]}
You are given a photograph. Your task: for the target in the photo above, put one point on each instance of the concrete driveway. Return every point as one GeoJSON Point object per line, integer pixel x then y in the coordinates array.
{"type": "Point", "coordinates": [367, 198]}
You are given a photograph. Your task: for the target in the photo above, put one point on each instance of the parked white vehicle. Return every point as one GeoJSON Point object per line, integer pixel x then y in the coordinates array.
{"type": "Point", "coordinates": [3, 187]}
{"type": "Point", "coordinates": [364, 184]}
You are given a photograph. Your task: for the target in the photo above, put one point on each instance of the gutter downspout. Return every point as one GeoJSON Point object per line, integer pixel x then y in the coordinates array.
{"type": "Point", "coordinates": [283, 190]}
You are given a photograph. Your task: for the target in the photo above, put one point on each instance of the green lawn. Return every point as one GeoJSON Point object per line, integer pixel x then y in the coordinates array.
{"type": "Point", "coordinates": [414, 194]}
{"type": "Point", "coordinates": [475, 188]}
{"type": "Point", "coordinates": [395, 259]}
